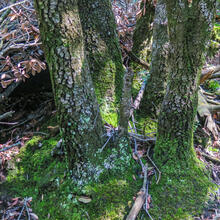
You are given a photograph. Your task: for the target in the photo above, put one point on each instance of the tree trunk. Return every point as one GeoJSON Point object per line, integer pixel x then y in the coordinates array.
{"type": "Point", "coordinates": [184, 186]}
{"type": "Point", "coordinates": [143, 33]}
{"type": "Point", "coordinates": [104, 55]}
{"type": "Point", "coordinates": [77, 109]}
{"type": "Point", "coordinates": [156, 84]}
{"type": "Point", "coordinates": [88, 153]}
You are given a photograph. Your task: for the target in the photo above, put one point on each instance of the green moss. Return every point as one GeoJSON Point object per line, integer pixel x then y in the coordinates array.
{"type": "Point", "coordinates": [45, 178]}
{"type": "Point", "coordinates": [184, 185]}
{"type": "Point", "coordinates": [146, 125]}
{"type": "Point", "coordinates": [107, 75]}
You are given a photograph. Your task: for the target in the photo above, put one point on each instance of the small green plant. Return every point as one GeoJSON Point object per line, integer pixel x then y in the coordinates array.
{"type": "Point", "coordinates": [213, 85]}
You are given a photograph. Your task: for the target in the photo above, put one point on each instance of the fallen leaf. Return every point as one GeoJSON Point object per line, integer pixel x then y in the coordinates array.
{"type": "Point", "coordinates": [84, 199]}
{"type": "Point", "coordinates": [34, 216]}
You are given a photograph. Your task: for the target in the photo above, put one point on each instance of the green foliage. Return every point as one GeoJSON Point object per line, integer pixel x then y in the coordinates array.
{"type": "Point", "coordinates": [215, 41]}
{"type": "Point", "coordinates": [212, 85]}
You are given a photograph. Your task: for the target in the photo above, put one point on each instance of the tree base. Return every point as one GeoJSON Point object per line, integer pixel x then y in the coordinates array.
{"type": "Point", "coordinates": [182, 191]}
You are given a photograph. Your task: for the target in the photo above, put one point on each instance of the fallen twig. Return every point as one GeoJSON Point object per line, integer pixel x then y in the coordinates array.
{"type": "Point", "coordinates": [139, 202]}
{"type": "Point", "coordinates": [143, 194]}
{"type": "Point", "coordinates": [142, 137]}
{"type": "Point", "coordinates": [212, 102]}
{"type": "Point", "coordinates": [9, 90]}
{"type": "Point", "coordinates": [213, 159]}
{"type": "Point", "coordinates": [9, 147]}
{"type": "Point", "coordinates": [7, 115]}
{"type": "Point", "coordinates": [26, 207]}
{"type": "Point", "coordinates": [138, 98]}
{"type": "Point", "coordinates": [6, 13]}
{"type": "Point", "coordinates": [12, 5]}
{"type": "Point", "coordinates": [159, 176]}
{"type": "Point", "coordinates": [207, 73]}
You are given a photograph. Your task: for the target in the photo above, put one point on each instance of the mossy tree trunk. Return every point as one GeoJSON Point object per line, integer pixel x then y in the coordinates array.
{"type": "Point", "coordinates": [143, 33]}
{"type": "Point", "coordinates": [156, 84]}
{"type": "Point", "coordinates": [104, 54]}
{"type": "Point", "coordinates": [183, 187]}
{"type": "Point", "coordinates": [77, 109]}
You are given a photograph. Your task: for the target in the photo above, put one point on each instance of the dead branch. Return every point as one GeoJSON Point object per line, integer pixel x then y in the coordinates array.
{"type": "Point", "coordinates": [208, 93]}
{"type": "Point", "coordinates": [17, 47]}
{"type": "Point", "coordinates": [6, 13]}
{"type": "Point", "coordinates": [11, 146]}
{"type": "Point", "coordinates": [142, 137]}
{"type": "Point", "coordinates": [139, 202]}
{"type": "Point", "coordinates": [149, 158]}
{"type": "Point", "coordinates": [138, 60]}
{"type": "Point", "coordinates": [213, 108]}
{"type": "Point", "coordinates": [215, 76]}
{"type": "Point", "coordinates": [212, 102]}
{"type": "Point", "coordinates": [9, 90]}
{"type": "Point", "coordinates": [12, 5]}
{"type": "Point", "coordinates": [213, 159]}
{"type": "Point", "coordinates": [207, 73]}
{"type": "Point", "coordinates": [6, 115]}
{"type": "Point", "coordinates": [138, 99]}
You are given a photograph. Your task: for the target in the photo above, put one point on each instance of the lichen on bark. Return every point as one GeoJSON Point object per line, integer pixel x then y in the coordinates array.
{"type": "Point", "coordinates": [77, 109]}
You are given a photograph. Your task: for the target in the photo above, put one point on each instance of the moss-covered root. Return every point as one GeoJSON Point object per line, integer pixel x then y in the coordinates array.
{"type": "Point", "coordinates": [183, 188]}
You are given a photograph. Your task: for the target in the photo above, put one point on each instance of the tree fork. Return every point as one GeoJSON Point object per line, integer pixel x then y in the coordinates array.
{"type": "Point", "coordinates": [77, 109]}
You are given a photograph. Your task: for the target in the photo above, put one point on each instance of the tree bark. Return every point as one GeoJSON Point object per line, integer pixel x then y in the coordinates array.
{"type": "Point", "coordinates": [183, 180]}
{"type": "Point", "coordinates": [77, 109]}
{"type": "Point", "coordinates": [143, 32]}
{"type": "Point", "coordinates": [156, 84]}
{"type": "Point", "coordinates": [104, 54]}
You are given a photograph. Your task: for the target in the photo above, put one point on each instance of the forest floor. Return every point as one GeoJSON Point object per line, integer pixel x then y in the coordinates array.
{"type": "Point", "coordinates": [25, 116]}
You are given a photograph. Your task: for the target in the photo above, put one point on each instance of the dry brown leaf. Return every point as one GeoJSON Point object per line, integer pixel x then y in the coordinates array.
{"type": "Point", "coordinates": [13, 17]}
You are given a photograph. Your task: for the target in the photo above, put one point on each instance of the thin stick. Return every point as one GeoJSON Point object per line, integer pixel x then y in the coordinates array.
{"type": "Point", "coordinates": [9, 147]}
{"type": "Point", "coordinates": [6, 115]}
{"type": "Point", "coordinates": [159, 176]}
{"type": "Point", "coordinates": [10, 6]}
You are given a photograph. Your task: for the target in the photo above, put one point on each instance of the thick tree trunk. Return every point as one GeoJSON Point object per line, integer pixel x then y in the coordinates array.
{"type": "Point", "coordinates": [104, 55]}
{"type": "Point", "coordinates": [77, 108]}
{"type": "Point", "coordinates": [156, 84]}
{"type": "Point", "coordinates": [184, 185]}
{"type": "Point", "coordinates": [80, 122]}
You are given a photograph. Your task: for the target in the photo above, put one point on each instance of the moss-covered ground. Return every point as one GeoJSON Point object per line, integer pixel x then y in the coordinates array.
{"type": "Point", "coordinates": [45, 178]}
{"type": "Point", "coordinates": [180, 194]}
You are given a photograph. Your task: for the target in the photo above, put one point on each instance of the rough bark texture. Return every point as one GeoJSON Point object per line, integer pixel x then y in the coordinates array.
{"type": "Point", "coordinates": [184, 185]}
{"type": "Point", "coordinates": [156, 84]}
{"type": "Point", "coordinates": [125, 106]}
{"type": "Point", "coordinates": [143, 33]}
{"type": "Point", "coordinates": [77, 109]}
{"type": "Point", "coordinates": [103, 53]}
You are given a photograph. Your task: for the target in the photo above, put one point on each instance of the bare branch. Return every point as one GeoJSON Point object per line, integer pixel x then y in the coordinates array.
{"type": "Point", "coordinates": [11, 146]}
{"type": "Point", "coordinates": [10, 6]}
{"type": "Point", "coordinates": [6, 115]}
